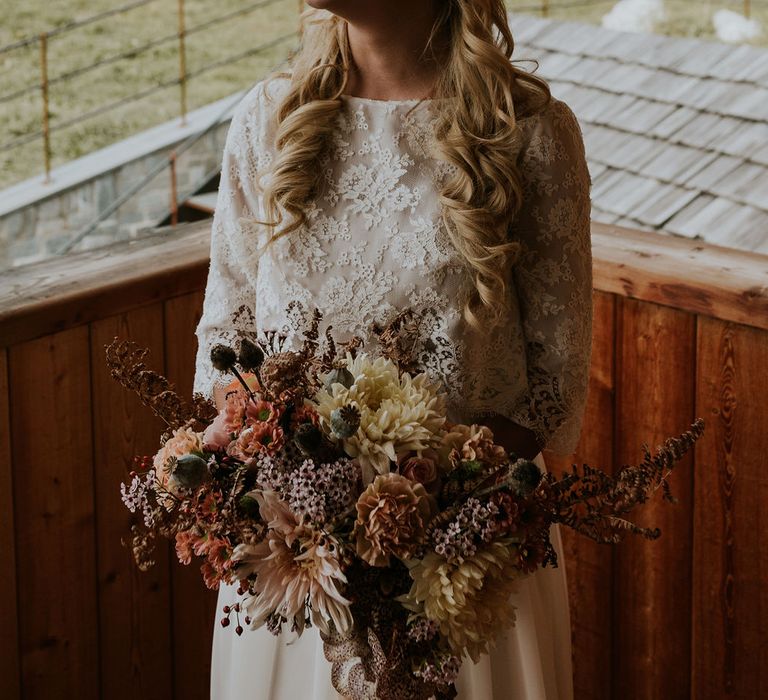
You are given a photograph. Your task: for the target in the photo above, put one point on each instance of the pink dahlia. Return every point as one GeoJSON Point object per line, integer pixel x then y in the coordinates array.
{"type": "Point", "coordinates": [294, 565]}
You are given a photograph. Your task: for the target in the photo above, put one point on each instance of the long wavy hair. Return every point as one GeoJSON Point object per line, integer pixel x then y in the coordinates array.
{"type": "Point", "coordinates": [476, 130]}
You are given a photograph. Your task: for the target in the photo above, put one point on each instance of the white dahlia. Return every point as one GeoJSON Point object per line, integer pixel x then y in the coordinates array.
{"type": "Point", "coordinates": [470, 600]}
{"type": "Point", "coordinates": [398, 412]}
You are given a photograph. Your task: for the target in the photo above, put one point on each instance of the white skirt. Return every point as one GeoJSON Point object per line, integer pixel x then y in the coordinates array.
{"type": "Point", "coordinates": [532, 661]}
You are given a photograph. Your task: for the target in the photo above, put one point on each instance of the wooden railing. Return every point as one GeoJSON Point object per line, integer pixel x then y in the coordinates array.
{"type": "Point", "coordinates": [681, 330]}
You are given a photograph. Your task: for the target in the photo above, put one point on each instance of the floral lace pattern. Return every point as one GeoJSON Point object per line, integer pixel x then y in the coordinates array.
{"type": "Point", "coordinates": [375, 243]}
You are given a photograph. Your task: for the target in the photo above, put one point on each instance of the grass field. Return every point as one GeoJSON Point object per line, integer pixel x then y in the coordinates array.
{"type": "Point", "coordinates": [121, 33]}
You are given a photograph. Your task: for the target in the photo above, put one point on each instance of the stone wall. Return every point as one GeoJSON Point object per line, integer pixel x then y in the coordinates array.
{"type": "Point", "coordinates": [39, 229]}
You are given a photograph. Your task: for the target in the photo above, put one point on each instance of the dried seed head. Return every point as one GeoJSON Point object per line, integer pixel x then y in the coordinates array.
{"type": "Point", "coordinates": [251, 355]}
{"type": "Point", "coordinates": [345, 420]}
{"type": "Point", "coordinates": [223, 357]}
{"type": "Point", "coordinates": [526, 476]}
{"type": "Point", "coordinates": [308, 438]}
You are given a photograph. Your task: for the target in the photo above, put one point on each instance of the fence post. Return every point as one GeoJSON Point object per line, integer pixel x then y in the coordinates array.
{"type": "Point", "coordinates": [747, 8]}
{"type": "Point", "coordinates": [46, 106]}
{"type": "Point", "coordinates": [545, 8]}
{"type": "Point", "coordinates": [182, 65]}
{"type": "Point", "coordinates": [174, 191]}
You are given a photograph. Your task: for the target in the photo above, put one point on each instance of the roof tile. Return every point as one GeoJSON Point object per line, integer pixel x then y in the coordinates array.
{"type": "Point", "coordinates": [553, 64]}
{"type": "Point", "coordinates": [684, 222]}
{"type": "Point", "coordinates": [704, 60]}
{"type": "Point", "coordinates": [663, 86]}
{"type": "Point", "coordinates": [707, 177]}
{"type": "Point", "coordinates": [734, 226]}
{"type": "Point", "coordinates": [626, 193]}
{"type": "Point", "coordinates": [632, 152]}
{"type": "Point", "coordinates": [675, 129]}
{"type": "Point", "coordinates": [737, 65]}
{"type": "Point", "coordinates": [752, 103]}
{"type": "Point", "coordinates": [703, 91]}
{"type": "Point", "coordinates": [671, 162]}
{"type": "Point", "coordinates": [624, 77]}
{"type": "Point", "coordinates": [693, 221]}
{"type": "Point", "coordinates": [674, 122]}
{"type": "Point", "coordinates": [706, 128]}
{"type": "Point", "coordinates": [642, 115]}
{"type": "Point", "coordinates": [603, 182]}
{"type": "Point", "coordinates": [747, 184]}
{"type": "Point", "coordinates": [664, 203]}
{"type": "Point", "coordinates": [744, 139]}
{"type": "Point", "coordinates": [761, 155]}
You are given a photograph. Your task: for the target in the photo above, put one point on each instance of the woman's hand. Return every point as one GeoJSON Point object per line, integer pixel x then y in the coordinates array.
{"type": "Point", "coordinates": [513, 437]}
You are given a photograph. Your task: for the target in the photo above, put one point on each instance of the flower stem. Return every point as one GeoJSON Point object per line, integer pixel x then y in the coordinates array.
{"type": "Point", "coordinates": [244, 383]}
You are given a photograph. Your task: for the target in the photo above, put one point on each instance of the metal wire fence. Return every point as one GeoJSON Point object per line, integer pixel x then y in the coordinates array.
{"type": "Point", "coordinates": [46, 80]}
{"type": "Point", "coordinates": [181, 79]}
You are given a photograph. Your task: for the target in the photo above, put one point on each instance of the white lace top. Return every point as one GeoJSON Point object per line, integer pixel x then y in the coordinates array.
{"type": "Point", "coordinates": [375, 244]}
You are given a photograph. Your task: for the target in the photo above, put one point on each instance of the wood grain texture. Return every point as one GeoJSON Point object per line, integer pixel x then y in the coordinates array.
{"type": "Point", "coordinates": [588, 564]}
{"type": "Point", "coordinates": [63, 292]}
{"type": "Point", "coordinates": [134, 606]}
{"type": "Point", "coordinates": [71, 290]}
{"type": "Point", "coordinates": [652, 579]}
{"type": "Point", "coordinates": [52, 451]}
{"type": "Point", "coordinates": [10, 686]}
{"type": "Point", "coordinates": [194, 606]}
{"type": "Point", "coordinates": [730, 596]}
{"type": "Point", "coordinates": [685, 274]}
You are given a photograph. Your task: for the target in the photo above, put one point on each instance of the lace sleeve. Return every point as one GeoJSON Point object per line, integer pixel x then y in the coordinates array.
{"type": "Point", "coordinates": [553, 279]}
{"type": "Point", "coordinates": [229, 304]}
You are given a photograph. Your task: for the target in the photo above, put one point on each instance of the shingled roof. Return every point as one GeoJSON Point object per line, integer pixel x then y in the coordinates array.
{"type": "Point", "coordinates": [676, 129]}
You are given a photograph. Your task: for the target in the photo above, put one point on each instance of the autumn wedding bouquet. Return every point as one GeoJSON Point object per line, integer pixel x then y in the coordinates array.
{"type": "Point", "coordinates": [334, 490]}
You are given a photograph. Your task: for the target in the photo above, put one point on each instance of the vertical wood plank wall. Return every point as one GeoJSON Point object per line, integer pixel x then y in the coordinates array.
{"type": "Point", "coordinates": [90, 624]}
{"type": "Point", "coordinates": [684, 616]}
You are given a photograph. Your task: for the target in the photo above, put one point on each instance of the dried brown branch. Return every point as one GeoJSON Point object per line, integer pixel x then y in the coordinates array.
{"type": "Point", "coordinates": [125, 360]}
{"type": "Point", "coordinates": [593, 502]}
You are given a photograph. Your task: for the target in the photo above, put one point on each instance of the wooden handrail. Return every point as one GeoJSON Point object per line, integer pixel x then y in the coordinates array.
{"type": "Point", "coordinates": [690, 275]}
{"type": "Point", "coordinates": [60, 293]}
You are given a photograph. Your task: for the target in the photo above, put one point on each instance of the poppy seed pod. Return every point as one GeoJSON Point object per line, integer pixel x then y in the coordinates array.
{"type": "Point", "coordinates": [249, 505]}
{"type": "Point", "coordinates": [526, 476]}
{"type": "Point", "coordinates": [223, 357]}
{"type": "Point", "coordinates": [308, 438]}
{"type": "Point", "coordinates": [251, 355]}
{"type": "Point", "coordinates": [340, 375]}
{"type": "Point", "coordinates": [345, 420]}
{"type": "Point", "coordinates": [190, 471]}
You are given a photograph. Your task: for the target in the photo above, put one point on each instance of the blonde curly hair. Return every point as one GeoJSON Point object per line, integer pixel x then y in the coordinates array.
{"type": "Point", "coordinates": [479, 134]}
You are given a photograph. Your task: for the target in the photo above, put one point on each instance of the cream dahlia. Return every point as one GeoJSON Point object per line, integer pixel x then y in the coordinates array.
{"type": "Point", "coordinates": [398, 413]}
{"type": "Point", "coordinates": [295, 565]}
{"type": "Point", "coordinates": [469, 599]}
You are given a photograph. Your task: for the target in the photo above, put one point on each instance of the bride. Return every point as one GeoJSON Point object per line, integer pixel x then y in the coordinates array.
{"type": "Point", "coordinates": [405, 160]}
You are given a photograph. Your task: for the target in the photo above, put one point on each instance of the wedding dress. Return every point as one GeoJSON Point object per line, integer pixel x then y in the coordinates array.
{"type": "Point", "coordinates": [375, 243]}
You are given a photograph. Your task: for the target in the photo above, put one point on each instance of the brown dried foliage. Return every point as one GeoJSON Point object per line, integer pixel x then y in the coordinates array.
{"type": "Point", "coordinates": [593, 503]}
{"type": "Point", "coordinates": [125, 360]}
